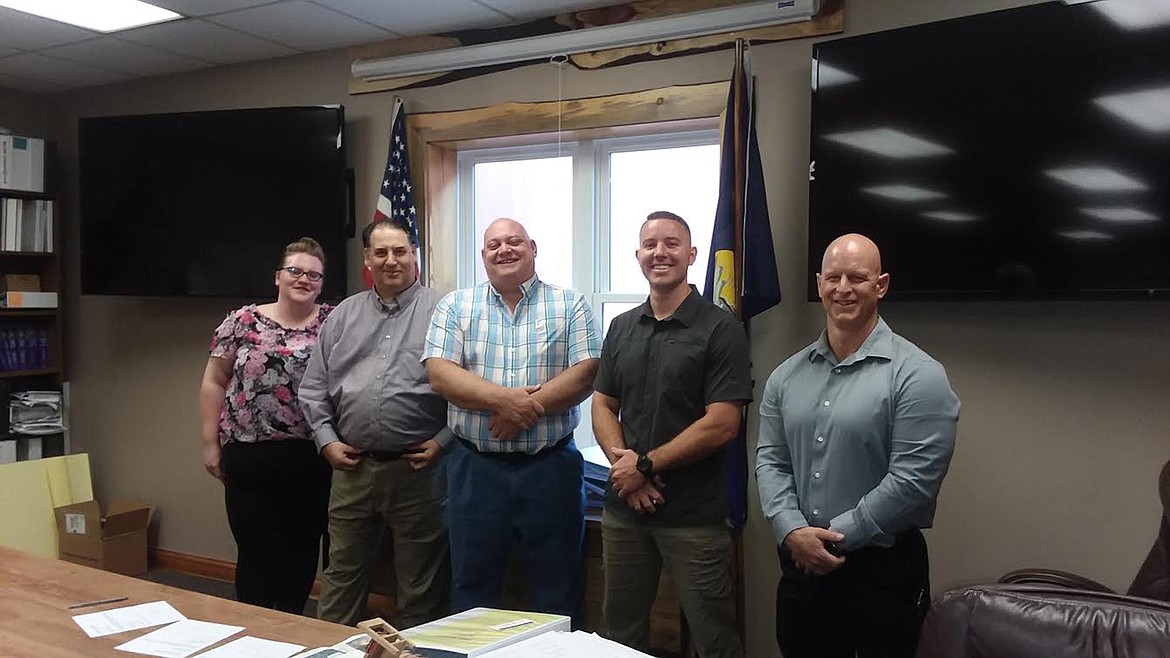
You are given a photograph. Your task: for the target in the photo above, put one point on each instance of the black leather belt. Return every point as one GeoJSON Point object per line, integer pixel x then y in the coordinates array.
{"type": "Point", "coordinates": [385, 455]}
{"type": "Point", "coordinates": [518, 457]}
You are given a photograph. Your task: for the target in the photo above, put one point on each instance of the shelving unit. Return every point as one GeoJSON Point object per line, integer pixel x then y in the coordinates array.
{"type": "Point", "coordinates": [38, 323]}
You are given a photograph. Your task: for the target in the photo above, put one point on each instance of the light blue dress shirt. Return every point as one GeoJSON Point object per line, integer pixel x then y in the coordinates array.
{"type": "Point", "coordinates": [859, 446]}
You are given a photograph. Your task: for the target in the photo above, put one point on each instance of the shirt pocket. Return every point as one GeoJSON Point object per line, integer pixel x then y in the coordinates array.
{"type": "Point", "coordinates": [683, 360]}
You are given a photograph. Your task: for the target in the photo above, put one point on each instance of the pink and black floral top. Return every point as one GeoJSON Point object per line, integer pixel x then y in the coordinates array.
{"type": "Point", "coordinates": [268, 362]}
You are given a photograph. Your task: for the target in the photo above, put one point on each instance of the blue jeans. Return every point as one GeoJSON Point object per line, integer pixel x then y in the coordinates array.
{"type": "Point", "coordinates": [497, 501]}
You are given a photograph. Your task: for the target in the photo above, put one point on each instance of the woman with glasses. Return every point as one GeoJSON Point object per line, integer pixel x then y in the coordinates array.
{"type": "Point", "coordinates": [256, 440]}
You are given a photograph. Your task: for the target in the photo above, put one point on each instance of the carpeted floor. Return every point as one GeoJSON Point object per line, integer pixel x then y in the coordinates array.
{"type": "Point", "coordinates": [223, 590]}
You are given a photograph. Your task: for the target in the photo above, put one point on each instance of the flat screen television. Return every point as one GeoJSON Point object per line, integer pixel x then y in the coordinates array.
{"type": "Point", "coordinates": [1022, 153]}
{"type": "Point", "coordinates": [202, 203]}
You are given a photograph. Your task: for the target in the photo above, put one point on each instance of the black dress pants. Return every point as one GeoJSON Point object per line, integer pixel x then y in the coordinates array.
{"type": "Point", "coordinates": [277, 499]}
{"type": "Point", "coordinates": [871, 607]}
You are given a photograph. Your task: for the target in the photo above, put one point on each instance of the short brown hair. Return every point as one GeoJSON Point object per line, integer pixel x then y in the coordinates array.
{"type": "Point", "coordinates": [666, 214]}
{"type": "Point", "coordinates": [303, 246]}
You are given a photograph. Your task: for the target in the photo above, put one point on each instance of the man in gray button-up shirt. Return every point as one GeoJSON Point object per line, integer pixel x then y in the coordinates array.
{"type": "Point", "coordinates": [856, 434]}
{"type": "Point", "coordinates": [377, 421]}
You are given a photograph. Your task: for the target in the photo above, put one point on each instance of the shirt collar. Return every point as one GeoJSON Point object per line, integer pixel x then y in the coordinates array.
{"type": "Point", "coordinates": [526, 288]}
{"type": "Point", "coordinates": [878, 344]}
{"type": "Point", "coordinates": [686, 313]}
{"type": "Point", "coordinates": [404, 298]}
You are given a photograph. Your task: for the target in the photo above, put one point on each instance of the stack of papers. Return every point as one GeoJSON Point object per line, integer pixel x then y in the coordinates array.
{"type": "Point", "coordinates": [35, 412]}
{"type": "Point", "coordinates": [181, 637]}
{"type": "Point", "coordinates": [577, 644]}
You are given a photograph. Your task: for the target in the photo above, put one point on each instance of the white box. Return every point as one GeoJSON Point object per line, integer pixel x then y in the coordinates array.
{"type": "Point", "coordinates": [28, 300]}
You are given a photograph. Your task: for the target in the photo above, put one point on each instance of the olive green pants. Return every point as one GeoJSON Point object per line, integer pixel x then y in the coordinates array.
{"type": "Point", "coordinates": [364, 504]}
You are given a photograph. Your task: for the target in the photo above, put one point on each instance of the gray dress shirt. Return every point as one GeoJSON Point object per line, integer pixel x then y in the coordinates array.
{"type": "Point", "coordinates": [859, 446]}
{"type": "Point", "coordinates": [364, 384]}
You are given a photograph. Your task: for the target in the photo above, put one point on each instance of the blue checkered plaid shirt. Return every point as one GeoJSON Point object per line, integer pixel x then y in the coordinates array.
{"type": "Point", "coordinates": [552, 329]}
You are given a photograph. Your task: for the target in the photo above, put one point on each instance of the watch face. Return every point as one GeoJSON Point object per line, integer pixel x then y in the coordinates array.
{"type": "Point", "coordinates": [644, 465]}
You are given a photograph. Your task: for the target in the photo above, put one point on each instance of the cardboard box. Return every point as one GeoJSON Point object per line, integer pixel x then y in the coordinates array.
{"type": "Point", "coordinates": [20, 283]}
{"type": "Point", "coordinates": [28, 299]}
{"type": "Point", "coordinates": [115, 542]}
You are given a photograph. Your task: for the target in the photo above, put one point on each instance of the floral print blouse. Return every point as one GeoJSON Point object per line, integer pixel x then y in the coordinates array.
{"type": "Point", "coordinates": [268, 362]}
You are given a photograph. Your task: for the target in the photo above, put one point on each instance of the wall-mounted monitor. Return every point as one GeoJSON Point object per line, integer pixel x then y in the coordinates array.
{"type": "Point", "coordinates": [201, 203]}
{"type": "Point", "coordinates": [1022, 153]}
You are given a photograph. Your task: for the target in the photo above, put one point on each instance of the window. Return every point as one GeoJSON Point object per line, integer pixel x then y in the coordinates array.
{"type": "Point", "coordinates": [583, 203]}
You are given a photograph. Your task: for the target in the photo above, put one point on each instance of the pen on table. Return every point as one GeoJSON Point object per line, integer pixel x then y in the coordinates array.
{"type": "Point", "coordinates": [99, 602]}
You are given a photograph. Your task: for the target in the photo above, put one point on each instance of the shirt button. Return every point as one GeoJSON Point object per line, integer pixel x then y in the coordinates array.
{"type": "Point", "coordinates": [816, 512]}
{"type": "Point", "coordinates": [836, 370]}
{"type": "Point", "coordinates": [377, 376]}
{"type": "Point", "coordinates": [817, 475]}
{"type": "Point", "coordinates": [826, 403]}
{"type": "Point", "coordinates": [387, 337]}
{"type": "Point", "coordinates": [820, 439]}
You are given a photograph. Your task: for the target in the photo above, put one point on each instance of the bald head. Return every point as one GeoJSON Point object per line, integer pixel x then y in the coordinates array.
{"type": "Point", "coordinates": [850, 285]}
{"type": "Point", "coordinates": [509, 254]}
{"type": "Point", "coordinates": [505, 225]}
{"type": "Point", "coordinates": [857, 248]}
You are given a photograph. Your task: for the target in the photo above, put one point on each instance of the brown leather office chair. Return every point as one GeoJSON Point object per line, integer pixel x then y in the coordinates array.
{"type": "Point", "coordinates": [1039, 621]}
{"type": "Point", "coordinates": [1153, 578]}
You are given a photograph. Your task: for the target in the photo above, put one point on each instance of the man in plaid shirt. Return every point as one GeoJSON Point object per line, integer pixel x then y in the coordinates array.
{"type": "Point", "coordinates": [514, 356]}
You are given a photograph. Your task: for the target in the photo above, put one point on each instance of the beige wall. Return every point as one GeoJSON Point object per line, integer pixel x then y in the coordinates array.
{"type": "Point", "coordinates": [1064, 423]}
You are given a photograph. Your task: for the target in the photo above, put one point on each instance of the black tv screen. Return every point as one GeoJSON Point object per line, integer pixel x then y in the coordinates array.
{"type": "Point", "coordinates": [1023, 153]}
{"type": "Point", "coordinates": [202, 203]}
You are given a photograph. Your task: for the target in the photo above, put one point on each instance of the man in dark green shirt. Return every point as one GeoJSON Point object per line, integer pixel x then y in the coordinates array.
{"type": "Point", "coordinates": [675, 371]}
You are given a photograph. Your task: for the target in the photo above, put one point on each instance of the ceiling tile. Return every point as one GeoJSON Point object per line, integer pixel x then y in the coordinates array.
{"type": "Point", "coordinates": [410, 17]}
{"type": "Point", "coordinates": [205, 7]}
{"type": "Point", "coordinates": [527, 10]}
{"type": "Point", "coordinates": [302, 25]}
{"type": "Point", "coordinates": [58, 71]}
{"type": "Point", "coordinates": [28, 32]}
{"type": "Point", "coordinates": [112, 53]}
{"type": "Point", "coordinates": [203, 40]}
{"type": "Point", "coordinates": [26, 84]}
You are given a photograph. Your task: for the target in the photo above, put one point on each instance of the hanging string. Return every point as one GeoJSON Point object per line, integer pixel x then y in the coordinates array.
{"type": "Point", "coordinates": [560, 61]}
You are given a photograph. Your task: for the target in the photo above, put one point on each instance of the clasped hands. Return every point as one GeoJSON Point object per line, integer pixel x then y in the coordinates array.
{"type": "Point", "coordinates": [515, 410]}
{"type": "Point", "coordinates": [642, 494]}
{"type": "Point", "coordinates": [809, 549]}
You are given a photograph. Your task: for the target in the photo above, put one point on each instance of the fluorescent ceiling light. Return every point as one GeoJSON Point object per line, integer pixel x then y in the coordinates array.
{"type": "Point", "coordinates": [824, 76]}
{"type": "Point", "coordinates": [1120, 214]}
{"type": "Point", "coordinates": [570, 42]}
{"type": "Point", "coordinates": [890, 143]}
{"type": "Point", "coordinates": [1135, 14]}
{"type": "Point", "coordinates": [1148, 109]}
{"type": "Point", "coordinates": [1085, 235]}
{"type": "Point", "coordinates": [99, 15]}
{"type": "Point", "coordinates": [950, 216]}
{"type": "Point", "coordinates": [1096, 179]}
{"type": "Point", "coordinates": [901, 192]}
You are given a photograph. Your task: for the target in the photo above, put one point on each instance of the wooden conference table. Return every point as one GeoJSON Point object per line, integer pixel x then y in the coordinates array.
{"type": "Point", "coordinates": [36, 592]}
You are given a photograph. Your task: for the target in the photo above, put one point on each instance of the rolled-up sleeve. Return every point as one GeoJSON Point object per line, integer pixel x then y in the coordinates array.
{"type": "Point", "coordinates": [925, 420]}
{"type": "Point", "coordinates": [774, 475]}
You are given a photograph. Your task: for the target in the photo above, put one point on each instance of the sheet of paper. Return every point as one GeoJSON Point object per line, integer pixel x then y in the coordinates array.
{"type": "Point", "coordinates": [180, 639]}
{"type": "Point", "coordinates": [577, 644]}
{"type": "Point", "coordinates": [129, 618]}
{"type": "Point", "coordinates": [253, 647]}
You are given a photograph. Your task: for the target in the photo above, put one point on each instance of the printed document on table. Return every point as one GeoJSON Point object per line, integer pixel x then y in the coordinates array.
{"type": "Point", "coordinates": [180, 639]}
{"type": "Point", "coordinates": [253, 647]}
{"type": "Point", "coordinates": [129, 618]}
{"type": "Point", "coordinates": [577, 644]}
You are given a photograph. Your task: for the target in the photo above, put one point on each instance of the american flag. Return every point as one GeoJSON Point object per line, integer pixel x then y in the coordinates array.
{"type": "Point", "coordinates": [396, 198]}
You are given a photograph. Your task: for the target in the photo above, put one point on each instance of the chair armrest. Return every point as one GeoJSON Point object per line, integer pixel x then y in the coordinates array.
{"type": "Point", "coordinates": [1053, 577]}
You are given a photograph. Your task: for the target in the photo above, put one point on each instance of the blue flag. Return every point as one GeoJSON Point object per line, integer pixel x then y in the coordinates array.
{"type": "Point", "coordinates": [741, 239]}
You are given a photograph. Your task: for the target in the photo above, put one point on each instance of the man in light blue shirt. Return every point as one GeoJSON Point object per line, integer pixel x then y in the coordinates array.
{"type": "Point", "coordinates": [856, 434]}
{"type": "Point", "coordinates": [514, 357]}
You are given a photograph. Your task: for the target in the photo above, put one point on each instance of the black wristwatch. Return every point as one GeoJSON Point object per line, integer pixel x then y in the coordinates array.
{"type": "Point", "coordinates": [645, 465]}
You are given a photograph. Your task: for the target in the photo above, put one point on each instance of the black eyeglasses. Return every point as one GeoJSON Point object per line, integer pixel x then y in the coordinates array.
{"type": "Point", "coordinates": [297, 273]}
